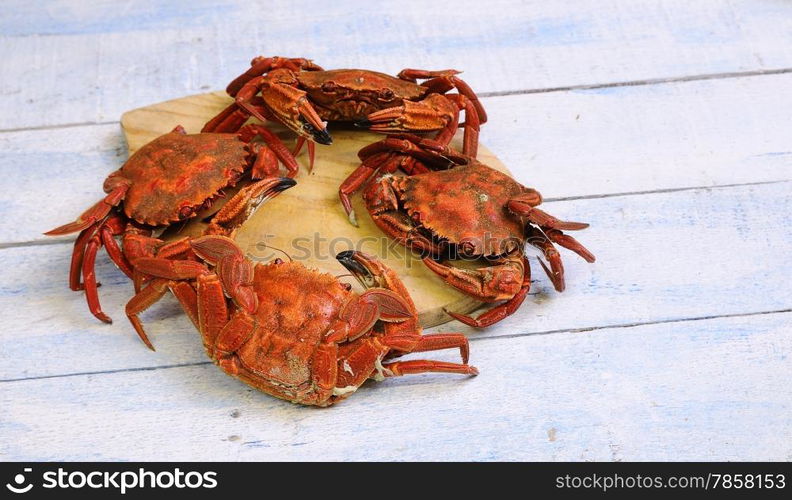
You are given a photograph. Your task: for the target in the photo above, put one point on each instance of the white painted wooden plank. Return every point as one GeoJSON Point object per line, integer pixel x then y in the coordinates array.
{"type": "Point", "coordinates": [566, 144]}
{"type": "Point", "coordinates": [696, 390]}
{"type": "Point", "coordinates": [75, 62]}
{"type": "Point", "coordinates": [53, 175]}
{"type": "Point", "coordinates": [661, 256]}
{"type": "Point", "coordinates": [645, 138]}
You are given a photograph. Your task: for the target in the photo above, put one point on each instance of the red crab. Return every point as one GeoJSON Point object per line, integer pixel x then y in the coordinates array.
{"type": "Point", "coordinates": [302, 96]}
{"type": "Point", "coordinates": [464, 209]}
{"type": "Point", "coordinates": [168, 180]}
{"type": "Point", "coordinates": [295, 333]}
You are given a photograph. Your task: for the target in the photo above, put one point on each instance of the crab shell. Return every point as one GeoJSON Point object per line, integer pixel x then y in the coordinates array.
{"type": "Point", "coordinates": [352, 94]}
{"type": "Point", "coordinates": [296, 308]}
{"type": "Point", "coordinates": [174, 175]}
{"type": "Point", "coordinates": [466, 206]}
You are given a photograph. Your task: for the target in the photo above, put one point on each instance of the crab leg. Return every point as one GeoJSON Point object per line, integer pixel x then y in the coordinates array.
{"type": "Point", "coordinates": [570, 243]}
{"type": "Point", "coordinates": [232, 118]}
{"type": "Point", "coordinates": [229, 120]}
{"type": "Point", "coordinates": [376, 158]}
{"type": "Point", "coordinates": [78, 255]}
{"type": "Point", "coordinates": [495, 314]}
{"type": "Point", "coordinates": [261, 65]}
{"type": "Point", "coordinates": [543, 239]}
{"type": "Point", "coordinates": [176, 249]}
{"type": "Point", "coordinates": [206, 308]}
{"type": "Point", "coordinates": [109, 230]}
{"type": "Point", "coordinates": [245, 203]}
{"type": "Point", "coordinates": [96, 213]}
{"type": "Point", "coordinates": [91, 223]}
{"type": "Point", "coordinates": [441, 82]}
{"type": "Point", "coordinates": [360, 176]}
{"type": "Point", "coordinates": [525, 205]}
{"type": "Point", "coordinates": [188, 298]}
{"type": "Point", "coordinates": [414, 367]}
{"type": "Point", "coordinates": [383, 205]}
{"type": "Point", "coordinates": [170, 269]}
{"type": "Point", "coordinates": [359, 315]}
{"type": "Point", "coordinates": [542, 218]}
{"type": "Point", "coordinates": [471, 126]}
{"type": "Point", "coordinates": [167, 274]}
{"type": "Point", "coordinates": [217, 331]}
{"type": "Point", "coordinates": [431, 342]}
{"type": "Point", "coordinates": [548, 232]}
{"type": "Point", "coordinates": [555, 272]}
{"type": "Point", "coordinates": [500, 311]}
{"type": "Point", "coordinates": [434, 113]}
{"type": "Point", "coordinates": [273, 143]}
{"type": "Point", "coordinates": [405, 335]}
{"type": "Point", "coordinates": [89, 278]}
{"type": "Point", "coordinates": [137, 244]}
{"type": "Point", "coordinates": [142, 300]}
{"type": "Point", "coordinates": [233, 269]}
{"type": "Point", "coordinates": [311, 151]}
{"type": "Point", "coordinates": [437, 111]}
{"type": "Point", "coordinates": [490, 284]}
{"type": "Point", "coordinates": [428, 151]}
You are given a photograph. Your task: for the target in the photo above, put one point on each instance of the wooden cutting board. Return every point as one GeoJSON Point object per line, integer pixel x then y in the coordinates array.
{"type": "Point", "coordinates": [307, 221]}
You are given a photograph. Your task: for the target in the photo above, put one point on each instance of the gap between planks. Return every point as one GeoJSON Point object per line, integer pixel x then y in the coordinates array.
{"type": "Point", "coordinates": [506, 93]}
{"type": "Point", "coordinates": [639, 83]}
{"type": "Point", "coordinates": [471, 339]}
{"type": "Point", "coordinates": [70, 240]}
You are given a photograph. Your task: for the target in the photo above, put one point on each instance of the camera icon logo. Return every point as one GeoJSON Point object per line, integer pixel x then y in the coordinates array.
{"type": "Point", "coordinates": [19, 481]}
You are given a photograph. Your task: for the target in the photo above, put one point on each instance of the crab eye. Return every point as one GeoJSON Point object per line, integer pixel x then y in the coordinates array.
{"type": "Point", "coordinates": [329, 87]}
{"type": "Point", "coordinates": [386, 94]}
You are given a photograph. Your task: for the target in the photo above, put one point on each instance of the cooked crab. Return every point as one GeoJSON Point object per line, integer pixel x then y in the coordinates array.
{"type": "Point", "coordinates": [460, 209]}
{"type": "Point", "coordinates": [170, 180]}
{"type": "Point", "coordinates": [303, 97]}
{"type": "Point", "coordinates": [292, 332]}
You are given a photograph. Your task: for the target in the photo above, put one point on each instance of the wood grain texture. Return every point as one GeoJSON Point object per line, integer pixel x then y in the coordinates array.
{"type": "Point", "coordinates": [697, 390]}
{"type": "Point", "coordinates": [629, 139]}
{"type": "Point", "coordinates": [71, 62]}
{"type": "Point", "coordinates": [662, 256]}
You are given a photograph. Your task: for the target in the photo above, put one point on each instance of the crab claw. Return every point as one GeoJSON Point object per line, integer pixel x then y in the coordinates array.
{"type": "Point", "coordinates": [234, 270]}
{"type": "Point", "coordinates": [391, 306]}
{"type": "Point", "coordinates": [239, 208]}
{"type": "Point", "coordinates": [287, 103]}
{"type": "Point", "coordinates": [299, 115]}
{"type": "Point", "coordinates": [317, 134]}
{"type": "Point", "coordinates": [501, 281]}
{"type": "Point", "coordinates": [433, 113]}
{"type": "Point", "coordinates": [359, 264]}
{"type": "Point", "coordinates": [372, 273]}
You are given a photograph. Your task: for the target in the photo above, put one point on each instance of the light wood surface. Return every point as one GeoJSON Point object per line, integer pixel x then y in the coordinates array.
{"type": "Point", "coordinates": [307, 223]}
{"type": "Point", "coordinates": [664, 124]}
